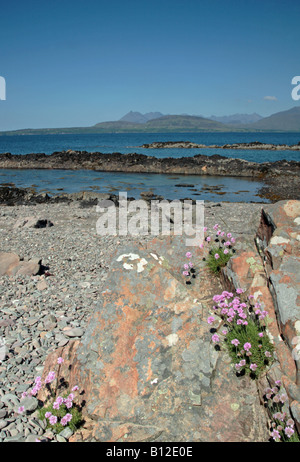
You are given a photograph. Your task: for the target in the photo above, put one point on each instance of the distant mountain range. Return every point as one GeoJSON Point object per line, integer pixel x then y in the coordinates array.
{"type": "Point", "coordinates": [235, 119]}
{"type": "Point", "coordinates": [156, 122]}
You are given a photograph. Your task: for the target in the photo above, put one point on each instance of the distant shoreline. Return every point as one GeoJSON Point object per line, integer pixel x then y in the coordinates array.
{"type": "Point", "coordinates": [251, 145]}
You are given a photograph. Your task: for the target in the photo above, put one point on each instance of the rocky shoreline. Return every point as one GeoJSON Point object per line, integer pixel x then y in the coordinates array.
{"type": "Point", "coordinates": [280, 179]}
{"type": "Point", "coordinates": [251, 145]}
{"type": "Point", "coordinates": [49, 310]}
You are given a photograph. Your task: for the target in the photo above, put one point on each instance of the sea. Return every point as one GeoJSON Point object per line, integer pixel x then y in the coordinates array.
{"type": "Point", "coordinates": [196, 187]}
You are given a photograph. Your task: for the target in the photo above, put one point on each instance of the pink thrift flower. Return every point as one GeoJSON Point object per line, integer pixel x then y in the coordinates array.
{"type": "Point", "coordinates": [191, 265]}
{"type": "Point", "coordinates": [247, 346]}
{"type": "Point", "coordinates": [60, 360]}
{"type": "Point", "coordinates": [185, 273]}
{"type": "Point", "coordinates": [232, 240]}
{"type": "Point", "coordinates": [278, 382]}
{"type": "Point", "coordinates": [63, 421]}
{"type": "Point", "coordinates": [235, 342]}
{"type": "Point", "coordinates": [68, 417]}
{"type": "Point", "coordinates": [208, 239]}
{"type": "Point", "coordinates": [55, 405]}
{"type": "Point", "coordinates": [243, 362]}
{"type": "Point", "coordinates": [24, 394]}
{"type": "Point", "coordinates": [275, 435]}
{"type": "Point", "coordinates": [75, 388]}
{"type": "Point", "coordinates": [186, 266]}
{"type": "Point", "coordinates": [216, 226]}
{"type": "Point", "coordinates": [50, 377]}
{"type": "Point", "coordinates": [226, 251]}
{"type": "Point", "coordinates": [53, 419]}
{"type": "Point", "coordinates": [59, 400]}
{"type": "Point", "coordinates": [261, 334]}
{"type": "Point", "coordinates": [283, 398]}
{"type": "Point", "coordinates": [21, 409]}
{"type": "Point", "coordinates": [34, 391]}
{"type": "Point", "coordinates": [253, 367]}
{"type": "Point", "coordinates": [215, 338]}
{"type": "Point", "coordinates": [205, 229]}
{"type": "Point", "coordinates": [48, 414]}
{"type": "Point", "coordinates": [227, 243]}
{"type": "Point", "coordinates": [268, 354]}
{"type": "Point", "coordinates": [68, 403]}
{"type": "Point", "coordinates": [188, 255]}
{"type": "Point", "coordinates": [290, 422]}
{"type": "Point", "coordinates": [239, 291]}
{"type": "Point", "coordinates": [289, 431]}
{"type": "Point", "coordinates": [210, 319]}
{"type": "Point", "coordinates": [217, 256]}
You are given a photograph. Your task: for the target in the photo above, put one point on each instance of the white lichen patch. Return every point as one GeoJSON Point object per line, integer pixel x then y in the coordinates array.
{"type": "Point", "coordinates": [132, 257]}
{"type": "Point", "coordinates": [154, 256]}
{"type": "Point", "coordinates": [275, 240]}
{"type": "Point", "coordinates": [297, 220]}
{"type": "Point", "coordinates": [172, 339]}
{"type": "Point", "coordinates": [140, 266]}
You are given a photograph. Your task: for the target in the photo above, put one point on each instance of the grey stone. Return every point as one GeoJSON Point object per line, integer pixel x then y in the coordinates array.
{"type": "Point", "coordinates": [66, 433]}
{"type": "Point", "coordinates": [3, 423]}
{"type": "Point", "coordinates": [30, 403]}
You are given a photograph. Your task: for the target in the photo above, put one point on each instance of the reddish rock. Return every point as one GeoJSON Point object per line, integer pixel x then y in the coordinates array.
{"type": "Point", "coordinates": [147, 366]}
{"type": "Point", "coordinates": [11, 265]}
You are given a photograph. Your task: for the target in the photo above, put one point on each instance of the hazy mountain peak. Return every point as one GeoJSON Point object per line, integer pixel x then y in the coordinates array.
{"type": "Point", "coordinates": [236, 119]}
{"type": "Point", "coordinates": [138, 118]}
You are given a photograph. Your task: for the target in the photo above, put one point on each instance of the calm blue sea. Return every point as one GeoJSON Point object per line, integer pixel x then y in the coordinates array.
{"type": "Point", "coordinates": [55, 181]}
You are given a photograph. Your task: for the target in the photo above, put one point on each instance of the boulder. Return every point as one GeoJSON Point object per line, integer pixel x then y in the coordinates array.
{"type": "Point", "coordinates": [32, 222]}
{"type": "Point", "coordinates": [11, 265]}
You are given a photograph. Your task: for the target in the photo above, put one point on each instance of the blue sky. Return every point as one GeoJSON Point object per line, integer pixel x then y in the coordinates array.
{"type": "Point", "coordinates": [77, 63]}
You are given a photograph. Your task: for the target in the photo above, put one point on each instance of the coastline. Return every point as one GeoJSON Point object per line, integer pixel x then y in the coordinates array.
{"type": "Point", "coordinates": [280, 179]}
{"type": "Point", "coordinates": [252, 145]}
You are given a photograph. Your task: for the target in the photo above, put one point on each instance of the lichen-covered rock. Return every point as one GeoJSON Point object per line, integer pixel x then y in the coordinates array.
{"type": "Point", "coordinates": [146, 363]}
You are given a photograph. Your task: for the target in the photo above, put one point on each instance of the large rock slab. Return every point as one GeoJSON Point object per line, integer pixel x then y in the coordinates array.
{"type": "Point", "coordinates": [146, 362]}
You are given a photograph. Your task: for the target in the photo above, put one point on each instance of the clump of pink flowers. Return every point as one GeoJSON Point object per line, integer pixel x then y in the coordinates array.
{"type": "Point", "coordinates": [62, 411]}
{"type": "Point", "coordinates": [282, 425]}
{"type": "Point", "coordinates": [243, 331]}
{"type": "Point", "coordinates": [219, 248]}
{"type": "Point", "coordinates": [188, 268]}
